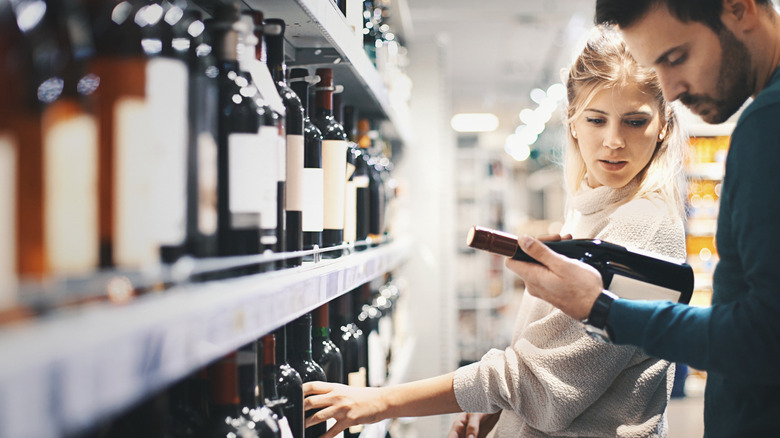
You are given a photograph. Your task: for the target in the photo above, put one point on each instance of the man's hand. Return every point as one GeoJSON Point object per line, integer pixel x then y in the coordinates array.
{"type": "Point", "coordinates": [473, 425]}
{"type": "Point", "coordinates": [567, 284]}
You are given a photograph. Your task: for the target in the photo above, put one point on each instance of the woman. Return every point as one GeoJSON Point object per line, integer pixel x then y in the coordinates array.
{"type": "Point", "coordinates": [623, 171]}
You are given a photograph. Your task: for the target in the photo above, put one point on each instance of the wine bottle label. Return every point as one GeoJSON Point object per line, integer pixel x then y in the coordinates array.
{"type": "Point", "coordinates": [313, 200]}
{"type": "Point", "coordinates": [166, 91]}
{"type": "Point", "coordinates": [360, 181]}
{"type": "Point", "coordinates": [268, 167]}
{"type": "Point", "coordinates": [8, 163]}
{"type": "Point", "coordinates": [350, 212]}
{"type": "Point", "coordinates": [357, 378]}
{"type": "Point", "coordinates": [265, 85]}
{"type": "Point", "coordinates": [281, 166]}
{"type": "Point", "coordinates": [377, 360]}
{"type": "Point", "coordinates": [245, 177]}
{"type": "Point", "coordinates": [631, 289]}
{"type": "Point", "coordinates": [284, 428]}
{"type": "Point", "coordinates": [207, 184]}
{"type": "Point", "coordinates": [294, 167]}
{"type": "Point", "coordinates": [334, 166]}
{"type": "Point", "coordinates": [71, 194]}
{"type": "Point", "coordinates": [135, 241]}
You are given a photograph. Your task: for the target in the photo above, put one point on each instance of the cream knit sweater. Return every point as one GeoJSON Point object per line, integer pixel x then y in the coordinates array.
{"type": "Point", "coordinates": [554, 380]}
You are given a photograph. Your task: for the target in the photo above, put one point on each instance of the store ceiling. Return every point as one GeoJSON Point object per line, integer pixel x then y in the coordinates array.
{"type": "Point", "coordinates": [501, 49]}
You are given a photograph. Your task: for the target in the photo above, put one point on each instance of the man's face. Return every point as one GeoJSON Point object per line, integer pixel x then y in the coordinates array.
{"type": "Point", "coordinates": [708, 72]}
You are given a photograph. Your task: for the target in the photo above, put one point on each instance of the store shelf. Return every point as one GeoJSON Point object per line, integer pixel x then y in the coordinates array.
{"type": "Point", "coordinates": [62, 373]}
{"type": "Point", "coordinates": [320, 36]}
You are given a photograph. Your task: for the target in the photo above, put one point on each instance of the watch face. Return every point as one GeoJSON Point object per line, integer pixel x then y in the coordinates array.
{"type": "Point", "coordinates": [598, 334]}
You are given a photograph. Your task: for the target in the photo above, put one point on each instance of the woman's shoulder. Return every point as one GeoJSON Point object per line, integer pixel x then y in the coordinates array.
{"type": "Point", "coordinates": [649, 207]}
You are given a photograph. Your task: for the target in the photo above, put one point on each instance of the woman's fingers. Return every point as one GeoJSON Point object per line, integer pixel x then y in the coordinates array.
{"type": "Point", "coordinates": [458, 428]}
{"type": "Point", "coordinates": [472, 428]}
{"type": "Point", "coordinates": [310, 388]}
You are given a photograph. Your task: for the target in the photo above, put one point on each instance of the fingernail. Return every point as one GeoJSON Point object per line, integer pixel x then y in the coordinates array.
{"type": "Point", "coordinates": [524, 241]}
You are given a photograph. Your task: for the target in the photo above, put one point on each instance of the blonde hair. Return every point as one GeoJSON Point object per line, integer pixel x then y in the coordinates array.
{"type": "Point", "coordinates": [603, 63]}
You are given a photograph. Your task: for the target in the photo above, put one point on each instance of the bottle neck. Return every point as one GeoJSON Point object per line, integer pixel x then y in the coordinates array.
{"type": "Point", "coordinates": [302, 338]}
{"type": "Point", "coordinates": [301, 88]}
{"type": "Point", "coordinates": [324, 102]}
{"type": "Point", "coordinates": [275, 57]}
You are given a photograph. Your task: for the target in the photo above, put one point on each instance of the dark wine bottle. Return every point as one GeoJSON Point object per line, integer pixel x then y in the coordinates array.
{"type": "Point", "coordinates": [202, 146]}
{"type": "Point", "coordinates": [300, 356]}
{"type": "Point", "coordinates": [324, 351]}
{"type": "Point", "coordinates": [626, 273]}
{"type": "Point", "coordinates": [352, 344]}
{"type": "Point", "coordinates": [268, 376]}
{"type": "Point", "coordinates": [223, 394]}
{"type": "Point", "coordinates": [239, 150]}
{"type": "Point", "coordinates": [294, 202]}
{"type": "Point", "coordinates": [312, 176]}
{"type": "Point", "coordinates": [334, 164]}
{"type": "Point", "coordinates": [289, 385]}
{"type": "Point", "coordinates": [275, 108]}
{"type": "Point", "coordinates": [271, 133]}
{"type": "Point", "coordinates": [360, 177]}
{"type": "Point", "coordinates": [376, 188]}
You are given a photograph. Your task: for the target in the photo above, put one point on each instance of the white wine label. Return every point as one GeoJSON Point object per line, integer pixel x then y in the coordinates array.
{"type": "Point", "coordinates": [245, 178]}
{"type": "Point", "coordinates": [284, 428]}
{"type": "Point", "coordinates": [166, 91]}
{"type": "Point", "coordinates": [631, 289]}
{"type": "Point", "coordinates": [361, 181]}
{"type": "Point", "coordinates": [265, 84]}
{"type": "Point", "coordinates": [350, 212]}
{"type": "Point", "coordinates": [334, 166]}
{"type": "Point", "coordinates": [377, 360]}
{"type": "Point", "coordinates": [357, 378]}
{"type": "Point", "coordinates": [281, 166]}
{"type": "Point", "coordinates": [71, 194]}
{"type": "Point", "coordinates": [294, 165]}
{"type": "Point", "coordinates": [207, 184]}
{"type": "Point", "coordinates": [8, 163]}
{"type": "Point", "coordinates": [135, 240]}
{"type": "Point", "coordinates": [313, 201]}
{"type": "Point", "coordinates": [269, 172]}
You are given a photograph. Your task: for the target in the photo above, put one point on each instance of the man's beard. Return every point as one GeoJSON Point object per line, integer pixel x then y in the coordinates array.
{"type": "Point", "coordinates": [734, 84]}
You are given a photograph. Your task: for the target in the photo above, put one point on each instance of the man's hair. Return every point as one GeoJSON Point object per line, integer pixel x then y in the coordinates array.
{"type": "Point", "coordinates": [625, 13]}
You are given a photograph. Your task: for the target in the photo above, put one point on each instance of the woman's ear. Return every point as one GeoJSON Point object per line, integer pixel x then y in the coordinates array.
{"type": "Point", "coordinates": [662, 133]}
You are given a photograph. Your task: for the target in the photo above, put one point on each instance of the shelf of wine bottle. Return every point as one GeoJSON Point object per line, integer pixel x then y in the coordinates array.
{"type": "Point", "coordinates": [319, 35]}
{"type": "Point", "coordinates": [76, 366]}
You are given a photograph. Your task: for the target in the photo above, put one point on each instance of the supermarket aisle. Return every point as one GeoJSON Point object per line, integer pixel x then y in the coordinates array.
{"type": "Point", "coordinates": [686, 417]}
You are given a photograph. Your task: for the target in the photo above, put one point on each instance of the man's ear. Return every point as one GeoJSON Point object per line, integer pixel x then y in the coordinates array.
{"type": "Point", "coordinates": [740, 15]}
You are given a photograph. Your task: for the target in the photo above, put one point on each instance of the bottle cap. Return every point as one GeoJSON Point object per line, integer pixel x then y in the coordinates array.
{"type": "Point", "coordinates": [493, 241]}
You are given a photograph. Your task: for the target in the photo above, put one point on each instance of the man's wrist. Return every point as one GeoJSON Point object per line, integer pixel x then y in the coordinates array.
{"type": "Point", "coordinates": [597, 323]}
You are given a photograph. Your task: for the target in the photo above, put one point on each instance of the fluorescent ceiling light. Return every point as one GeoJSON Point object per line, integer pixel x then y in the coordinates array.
{"type": "Point", "coordinates": [474, 122]}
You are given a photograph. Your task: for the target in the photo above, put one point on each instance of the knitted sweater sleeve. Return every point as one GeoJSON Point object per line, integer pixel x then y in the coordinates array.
{"type": "Point", "coordinates": [554, 372]}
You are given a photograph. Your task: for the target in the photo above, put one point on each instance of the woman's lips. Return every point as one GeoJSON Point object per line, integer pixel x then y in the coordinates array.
{"type": "Point", "coordinates": [613, 165]}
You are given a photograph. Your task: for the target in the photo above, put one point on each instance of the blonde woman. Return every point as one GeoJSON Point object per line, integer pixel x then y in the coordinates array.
{"type": "Point", "coordinates": [623, 172]}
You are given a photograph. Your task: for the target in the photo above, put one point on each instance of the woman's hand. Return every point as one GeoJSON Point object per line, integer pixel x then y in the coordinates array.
{"type": "Point", "coordinates": [348, 405]}
{"type": "Point", "coordinates": [567, 284]}
{"type": "Point", "coordinates": [473, 425]}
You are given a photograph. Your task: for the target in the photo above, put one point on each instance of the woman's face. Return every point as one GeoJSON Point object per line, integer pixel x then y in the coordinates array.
{"type": "Point", "coordinates": [617, 134]}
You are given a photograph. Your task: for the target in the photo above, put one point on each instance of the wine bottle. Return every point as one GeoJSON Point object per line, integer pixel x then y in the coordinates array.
{"type": "Point", "coordinates": [268, 375]}
{"type": "Point", "coordinates": [289, 385]}
{"type": "Point", "coordinates": [295, 143]}
{"type": "Point", "coordinates": [350, 189]}
{"type": "Point", "coordinates": [312, 176]}
{"type": "Point", "coordinates": [334, 165]}
{"type": "Point", "coordinates": [352, 344]}
{"type": "Point", "coordinates": [368, 318]}
{"type": "Point", "coordinates": [202, 146]}
{"type": "Point", "coordinates": [360, 177]}
{"type": "Point", "coordinates": [300, 355]}
{"type": "Point", "coordinates": [376, 188]}
{"type": "Point", "coordinates": [627, 273]}
{"type": "Point", "coordinates": [268, 91]}
{"type": "Point", "coordinates": [324, 351]}
{"type": "Point", "coordinates": [239, 153]}
{"type": "Point", "coordinates": [223, 394]}
{"type": "Point", "coordinates": [270, 130]}
{"type": "Point", "coordinates": [10, 48]}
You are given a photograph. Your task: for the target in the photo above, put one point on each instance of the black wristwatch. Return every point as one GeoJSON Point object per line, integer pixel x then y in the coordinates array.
{"type": "Point", "coordinates": [596, 324]}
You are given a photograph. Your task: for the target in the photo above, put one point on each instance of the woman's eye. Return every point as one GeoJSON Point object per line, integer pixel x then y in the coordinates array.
{"type": "Point", "coordinates": [679, 60]}
{"type": "Point", "coordinates": [636, 123]}
{"type": "Point", "coordinates": [595, 121]}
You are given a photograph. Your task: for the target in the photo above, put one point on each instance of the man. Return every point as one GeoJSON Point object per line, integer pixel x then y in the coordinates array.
{"type": "Point", "coordinates": [711, 55]}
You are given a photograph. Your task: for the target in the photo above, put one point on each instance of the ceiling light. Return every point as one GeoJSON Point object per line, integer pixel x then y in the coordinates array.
{"type": "Point", "coordinates": [474, 122]}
